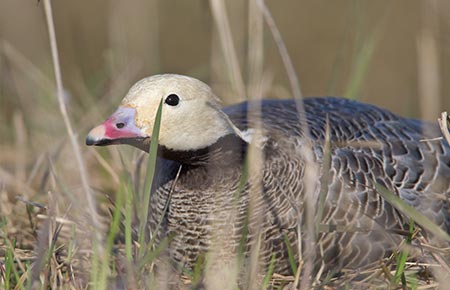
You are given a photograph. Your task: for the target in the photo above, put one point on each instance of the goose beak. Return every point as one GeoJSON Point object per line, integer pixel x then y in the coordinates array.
{"type": "Point", "coordinates": [119, 128]}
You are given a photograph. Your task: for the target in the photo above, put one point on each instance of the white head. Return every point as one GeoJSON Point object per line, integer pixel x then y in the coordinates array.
{"type": "Point", "coordinates": [191, 115]}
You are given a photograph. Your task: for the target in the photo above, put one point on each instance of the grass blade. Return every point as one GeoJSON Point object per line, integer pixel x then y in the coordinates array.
{"type": "Point", "coordinates": [325, 180]}
{"type": "Point", "coordinates": [401, 261]}
{"type": "Point", "coordinates": [149, 179]}
{"type": "Point", "coordinates": [269, 273]}
{"type": "Point", "coordinates": [128, 222]}
{"type": "Point", "coordinates": [291, 255]}
{"type": "Point", "coordinates": [102, 282]}
{"type": "Point", "coordinates": [411, 212]}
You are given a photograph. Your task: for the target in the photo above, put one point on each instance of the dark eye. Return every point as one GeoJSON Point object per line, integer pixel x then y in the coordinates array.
{"type": "Point", "coordinates": [120, 125]}
{"type": "Point", "coordinates": [172, 100]}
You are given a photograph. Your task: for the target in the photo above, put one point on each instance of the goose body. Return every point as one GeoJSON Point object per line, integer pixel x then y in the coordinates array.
{"type": "Point", "coordinates": [212, 208]}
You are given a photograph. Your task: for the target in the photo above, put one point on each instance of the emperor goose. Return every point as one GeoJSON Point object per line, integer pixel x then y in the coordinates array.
{"type": "Point", "coordinates": [213, 207]}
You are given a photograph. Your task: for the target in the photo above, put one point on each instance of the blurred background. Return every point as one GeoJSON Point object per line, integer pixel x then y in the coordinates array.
{"type": "Point", "coordinates": [394, 54]}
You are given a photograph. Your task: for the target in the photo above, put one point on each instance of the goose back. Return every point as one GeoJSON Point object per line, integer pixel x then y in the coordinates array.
{"type": "Point", "coordinates": [209, 206]}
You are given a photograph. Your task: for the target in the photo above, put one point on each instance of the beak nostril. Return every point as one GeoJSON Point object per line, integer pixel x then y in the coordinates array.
{"type": "Point", "coordinates": [120, 125]}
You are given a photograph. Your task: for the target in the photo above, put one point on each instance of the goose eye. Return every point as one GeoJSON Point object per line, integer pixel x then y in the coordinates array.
{"type": "Point", "coordinates": [172, 100]}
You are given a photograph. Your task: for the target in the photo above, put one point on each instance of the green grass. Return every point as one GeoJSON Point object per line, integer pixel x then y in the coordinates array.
{"type": "Point", "coordinates": [412, 213]}
{"type": "Point", "coordinates": [269, 273]}
{"type": "Point", "coordinates": [9, 272]}
{"type": "Point", "coordinates": [402, 258]}
{"type": "Point", "coordinates": [148, 181]}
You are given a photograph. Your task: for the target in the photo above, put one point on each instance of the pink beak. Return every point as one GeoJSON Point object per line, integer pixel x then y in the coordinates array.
{"type": "Point", "coordinates": [119, 128]}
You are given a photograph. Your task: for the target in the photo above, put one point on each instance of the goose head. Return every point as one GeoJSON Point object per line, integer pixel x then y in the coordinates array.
{"type": "Point", "coordinates": [191, 119]}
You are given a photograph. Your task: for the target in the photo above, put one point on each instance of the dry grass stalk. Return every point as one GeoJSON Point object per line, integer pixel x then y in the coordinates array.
{"type": "Point", "coordinates": [21, 141]}
{"type": "Point", "coordinates": [107, 167]}
{"type": "Point", "coordinates": [89, 197]}
{"type": "Point", "coordinates": [256, 167]}
{"type": "Point", "coordinates": [444, 121]}
{"type": "Point", "coordinates": [218, 10]}
{"type": "Point", "coordinates": [306, 260]}
{"type": "Point", "coordinates": [255, 51]}
{"type": "Point", "coordinates": [60, 220]}
{"type": "Point", "coordinates": [256, 88]}
{"type": "Point", "coordinates": [428, 62]}
{"type": "Point", "coordinates": [289, 66]}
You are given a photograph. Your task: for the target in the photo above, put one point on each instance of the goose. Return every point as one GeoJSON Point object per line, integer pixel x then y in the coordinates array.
{"type": "Point", "coordinates": [214, 206]}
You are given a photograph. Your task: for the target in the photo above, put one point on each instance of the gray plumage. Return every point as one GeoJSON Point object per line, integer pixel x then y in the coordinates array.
{"type": "Point", "coordinates": [368, 145]}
